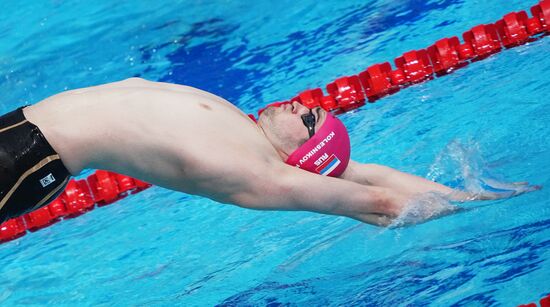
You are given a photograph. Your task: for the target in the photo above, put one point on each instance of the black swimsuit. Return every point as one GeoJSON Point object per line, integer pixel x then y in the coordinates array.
{"type": "Point", "coordinates": [31, 172]}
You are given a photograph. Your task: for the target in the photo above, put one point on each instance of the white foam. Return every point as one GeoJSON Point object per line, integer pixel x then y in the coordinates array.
{"type": "Point", "coordinates": [424, 207]}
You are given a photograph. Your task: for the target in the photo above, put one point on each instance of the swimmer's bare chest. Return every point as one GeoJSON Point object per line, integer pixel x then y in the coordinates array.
{"type": "Point", "coordinates": [183, 140]}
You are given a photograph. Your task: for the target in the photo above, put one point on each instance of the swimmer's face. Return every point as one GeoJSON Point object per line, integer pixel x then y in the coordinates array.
{"type": "Point", "coordinates": [284, 127]}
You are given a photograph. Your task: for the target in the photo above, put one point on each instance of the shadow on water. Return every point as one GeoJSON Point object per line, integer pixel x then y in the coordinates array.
{"type": "Point", "coordinates": [229, 72]}
{"type": "Point", "coordinates": [208, 65]}
{"type": "Point", "coordinates": [418, 275]}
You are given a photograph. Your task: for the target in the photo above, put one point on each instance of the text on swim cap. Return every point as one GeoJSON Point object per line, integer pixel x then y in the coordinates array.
{"type": "Point", "coordinates": [321, 159]}
{"type": "Point", "coordinates": [317, 147]}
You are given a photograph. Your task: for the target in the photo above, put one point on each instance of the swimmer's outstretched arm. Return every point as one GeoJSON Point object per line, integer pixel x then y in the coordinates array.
{"type": "Point", "coordinates": [288, 188]}
{"type": "Point", "coordinates": [383, 176]}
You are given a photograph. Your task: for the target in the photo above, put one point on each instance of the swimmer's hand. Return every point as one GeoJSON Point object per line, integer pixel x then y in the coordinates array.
{"type": "Point", "coordinates": [423, 207]}
{"type": "Point", "coordinates": [492, 190]}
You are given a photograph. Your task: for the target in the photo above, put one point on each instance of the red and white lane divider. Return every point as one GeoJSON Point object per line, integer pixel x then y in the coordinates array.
{"type": "Point", "coordinates": [344, 94]}
{"type": "Point", "coordinates": [80, 196]}
{"type": "Point", "coordinates": [441, 58]}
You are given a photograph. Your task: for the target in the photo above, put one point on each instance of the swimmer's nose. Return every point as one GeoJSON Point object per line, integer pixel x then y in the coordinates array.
{"type": "Point", "coordinates": [297, 107]}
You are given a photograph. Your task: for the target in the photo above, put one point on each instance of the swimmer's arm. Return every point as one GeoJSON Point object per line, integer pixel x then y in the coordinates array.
{"type": "Point", "coordinates": [383, 176]}
{"type": "Point", "coordinates": [289, 188]}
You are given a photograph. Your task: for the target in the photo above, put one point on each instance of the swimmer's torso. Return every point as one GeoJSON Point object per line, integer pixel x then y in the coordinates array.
{"type": "Point", "coordinates": [174, 136]}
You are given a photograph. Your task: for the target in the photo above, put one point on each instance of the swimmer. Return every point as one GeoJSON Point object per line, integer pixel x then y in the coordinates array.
{"type": "Point", "coordinates": [188, 140]}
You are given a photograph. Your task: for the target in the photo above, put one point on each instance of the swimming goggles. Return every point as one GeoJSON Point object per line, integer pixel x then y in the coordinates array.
{"type": "Point", "coordinates": [309, 121]}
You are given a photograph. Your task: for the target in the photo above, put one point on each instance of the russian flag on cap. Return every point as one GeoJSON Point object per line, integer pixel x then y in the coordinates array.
{"type": "Point", "coordinates": [327, 152]}
{"type": "Point", "coordinates": [328, 166]}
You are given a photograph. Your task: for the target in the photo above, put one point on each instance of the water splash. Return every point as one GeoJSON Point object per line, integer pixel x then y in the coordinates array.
{"type": "Point", "coordinates": [458, 165]}
{"type": "Point", "coordinates": [425, 207]}
{"type": "Point", "coordinates": [461, 166]}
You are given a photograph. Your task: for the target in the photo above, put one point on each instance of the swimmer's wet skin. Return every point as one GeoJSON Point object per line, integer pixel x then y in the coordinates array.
{"type": "Point", "coordinates": [31, 172]}
{"type": "Point", "coordinates": [188, 140]}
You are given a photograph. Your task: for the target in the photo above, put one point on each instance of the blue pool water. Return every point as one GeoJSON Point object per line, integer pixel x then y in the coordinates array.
{"type": "Point", "coordinates": [488, 120]}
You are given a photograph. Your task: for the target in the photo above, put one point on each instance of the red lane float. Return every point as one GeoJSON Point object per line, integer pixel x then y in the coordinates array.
{"type": "Point", "coordinates": [444, 55]}
{"type": "Point", "coordinates": [416, 65]}
{"type": "Point", "coordinates": [541, 12]}
{"type": "Point", "coordinates": [513, 29]}
{"type": "Point", "coordinates": [484, 40]}
{"type": "Point", "coordinates": [57, 208]}
{"type": "Point", "coordinates": [465, 52]}
{"type": "Point", "coordinates": [104, 187]}
{"type": "Point", "coordinates": [398, 79]}
{"type": "Point", "coordinates": [39, 219]}
{"type": "Point", "coordinates": [376, 81]}
{"type": "Point", "coordinates": [344, 94]}
{"type": "Point", "coordinates": [310, 98]}
{"type": "Point", "coordinates": [329, 104]}
{"type": "Point", "coordinates": [125, 184]}
{"type": "Point", "coordinates": [534, 26]}
{"type": "Point", "coordinates": [77, 198]}
{"type": "Point", "coordinates": [12, 229]}
{"type": "Point", "coordinates": [347, 92]}
{"type": "Point", "coordinates": [544, 302]}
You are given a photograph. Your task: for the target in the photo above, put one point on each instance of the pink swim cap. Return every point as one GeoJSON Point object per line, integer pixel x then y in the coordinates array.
{"type": "Point", "coordinates": [327, 152]}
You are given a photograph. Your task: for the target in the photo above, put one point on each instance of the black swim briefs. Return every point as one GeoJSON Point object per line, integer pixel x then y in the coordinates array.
{"type": "Point", "coordinates": [31, 172]}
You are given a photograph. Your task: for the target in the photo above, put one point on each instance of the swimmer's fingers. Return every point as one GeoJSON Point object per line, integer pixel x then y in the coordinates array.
{"type": "Point", "coordinates": [529, 188]}
{"type": "Point", "coordinates": [496, 190]}
{"type": "Point", "coordinates": [518, 190]}
{"type": "Point", "coordinates": [490, 183]}
{"type": "Point", "coordinates": [501, 193]}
